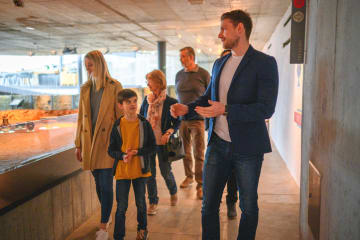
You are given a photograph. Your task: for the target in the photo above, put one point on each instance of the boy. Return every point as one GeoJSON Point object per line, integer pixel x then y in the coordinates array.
{"type": "Point", "coordinates": [132, 142]}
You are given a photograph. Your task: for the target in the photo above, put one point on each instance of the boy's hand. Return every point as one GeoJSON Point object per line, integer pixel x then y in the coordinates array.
{"type": "Point", "coordinates": [132, 152]}
{"type": "Point", "coordinates": [129, 155]}
{"type": "Point", "coordinates": [126, 158]}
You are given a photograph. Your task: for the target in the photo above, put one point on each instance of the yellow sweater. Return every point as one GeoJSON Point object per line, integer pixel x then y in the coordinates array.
{"type": "Point", "coordinates": [130, 134]}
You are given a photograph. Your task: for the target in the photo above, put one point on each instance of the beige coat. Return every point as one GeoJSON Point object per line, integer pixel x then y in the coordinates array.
{"type": "Point", "coordinates": [94, 153]}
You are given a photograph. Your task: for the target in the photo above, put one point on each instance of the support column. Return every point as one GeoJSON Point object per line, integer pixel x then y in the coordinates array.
{"type": "Point", "coordinates": [162, 56]}
{"type": "Point", "coordinates": [80, 79]}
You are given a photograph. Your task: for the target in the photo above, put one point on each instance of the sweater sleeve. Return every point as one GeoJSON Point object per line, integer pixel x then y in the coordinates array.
{"type": "Point", "coordinates": [115, 144]}
{"type": "Point", "coordinates": [150, 146]}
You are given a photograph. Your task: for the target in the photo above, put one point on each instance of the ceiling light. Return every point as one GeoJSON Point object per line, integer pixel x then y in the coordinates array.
{"type": "Point", "coordinates": [198, 40]}
{"type": "Point", "coordinates": [179, 35]}
{"type": "Point", "coordinates": [210, 49]}
{"type": "Point", "coordinates": [198, 50]}
{"type": "Point", "coordinates": [30, 28]}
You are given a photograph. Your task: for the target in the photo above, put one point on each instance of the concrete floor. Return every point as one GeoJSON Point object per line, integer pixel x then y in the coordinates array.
{"type": "Point", "coordinates": [278, 203]}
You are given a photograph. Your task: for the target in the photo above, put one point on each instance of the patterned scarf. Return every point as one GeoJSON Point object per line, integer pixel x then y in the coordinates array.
{"type": "Point", "coordinates": [155, 103]}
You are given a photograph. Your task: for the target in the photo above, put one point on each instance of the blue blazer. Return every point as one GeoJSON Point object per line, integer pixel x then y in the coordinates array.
{"type": "Point", "coordinates": [251, 99]}
{"type": "Point", "coordinates": [167, 121]}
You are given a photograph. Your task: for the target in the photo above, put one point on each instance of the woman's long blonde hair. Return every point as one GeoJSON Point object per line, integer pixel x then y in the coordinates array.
{"type": "Point", "coordinates": [101, 73]}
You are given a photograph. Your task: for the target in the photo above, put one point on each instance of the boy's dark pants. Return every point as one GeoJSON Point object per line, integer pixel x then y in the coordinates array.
{"type": "Point", "coordinates": [122, 196]}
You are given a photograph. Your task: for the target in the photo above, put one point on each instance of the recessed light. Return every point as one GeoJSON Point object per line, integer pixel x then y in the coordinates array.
{"type": "Point", "coordinates": [30, 28]}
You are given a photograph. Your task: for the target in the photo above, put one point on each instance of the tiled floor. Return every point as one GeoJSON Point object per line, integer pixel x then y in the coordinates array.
{"type": "Point", "coordinates": [278, 203]}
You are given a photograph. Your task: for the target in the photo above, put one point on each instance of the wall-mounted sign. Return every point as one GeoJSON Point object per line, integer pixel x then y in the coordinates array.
{"type": "Point", "coordinates": [298, 20]}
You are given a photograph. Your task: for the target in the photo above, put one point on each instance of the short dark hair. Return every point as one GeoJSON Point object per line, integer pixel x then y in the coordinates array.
{"type": "Point", "coordinates": [239, 16]}
{"type": "Point", "coordinates": [125, 94]}
{"type": "Point", "coordinates": [189, 50]}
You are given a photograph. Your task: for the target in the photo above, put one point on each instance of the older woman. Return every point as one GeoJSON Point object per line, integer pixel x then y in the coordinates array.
{"type": "Point", "coordinates": [156, 108]}
{"type": "Point", "coordinates": [97, 114]}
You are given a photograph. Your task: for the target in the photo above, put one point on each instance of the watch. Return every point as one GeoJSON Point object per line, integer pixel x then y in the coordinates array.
{"type": "Point", "coordinates": [226, 110]}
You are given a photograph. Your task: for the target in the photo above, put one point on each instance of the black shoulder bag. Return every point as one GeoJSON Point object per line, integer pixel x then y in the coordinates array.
{"type": "Point", "coordinates": [175, 148]}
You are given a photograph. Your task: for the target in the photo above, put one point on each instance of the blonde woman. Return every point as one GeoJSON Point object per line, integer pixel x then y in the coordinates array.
{"type": "Point", "coordinates": [97, 114]}
{"type": "Point", "coordinates": [156, 109]}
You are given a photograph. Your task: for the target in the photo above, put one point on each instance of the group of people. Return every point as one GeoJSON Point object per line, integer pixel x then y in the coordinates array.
{"type": "Point", "coordinates": [240, 94]}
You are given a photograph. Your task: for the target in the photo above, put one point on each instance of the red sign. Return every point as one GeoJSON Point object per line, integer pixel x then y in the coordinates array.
{"type": "Point", "coordinates": [297, 118]}
{"type": "Point", "coordinates": [299, 3]}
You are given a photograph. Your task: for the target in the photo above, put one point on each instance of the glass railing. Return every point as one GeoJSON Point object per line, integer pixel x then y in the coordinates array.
{"type": "Point", "coordinates": [28, 135]}
{"type": "Point", "coordinates": [24, 142]}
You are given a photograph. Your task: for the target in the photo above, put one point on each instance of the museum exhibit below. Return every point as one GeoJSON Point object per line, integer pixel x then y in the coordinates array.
{"type": "Point", "coordinates": [36, 152]}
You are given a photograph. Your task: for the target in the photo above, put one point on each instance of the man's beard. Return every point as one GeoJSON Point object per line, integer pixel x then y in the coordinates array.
{"type": "Point", "coordinates": [231, 44]}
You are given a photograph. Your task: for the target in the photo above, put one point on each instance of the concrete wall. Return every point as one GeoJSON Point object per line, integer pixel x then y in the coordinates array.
{"type": "Point", "coordinates": [331, 113]}
{"type": "Point", "coordinates": [285, 132]}
{"type": "Point", "coordinates": [54, 214]}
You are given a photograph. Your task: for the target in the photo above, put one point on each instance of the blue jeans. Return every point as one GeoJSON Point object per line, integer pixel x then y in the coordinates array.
{"type": "Point", "coordinates": [122, 197]}
{"type": "Point", "coordinates": [165, 169]}
{"type": "Point", "coordinates": [231, 197]}
{"type": "Point", "coordinates": [104, 189]}
{"type": "Point", "coordinates": [220, 159]}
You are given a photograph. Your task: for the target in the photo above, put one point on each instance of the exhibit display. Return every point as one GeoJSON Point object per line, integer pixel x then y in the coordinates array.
{"type": "Point", "coordinates": [34, 154]}
{"type": "Point", "coordinates": [24, 141]}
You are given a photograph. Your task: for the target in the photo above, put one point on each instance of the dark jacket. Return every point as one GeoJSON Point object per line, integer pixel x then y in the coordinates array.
{"type": "Point", "coordinates": [167, 121]}
{"type": "Point", "coordinates": [251, 99]}
{"type": "Point", "coordinates": [147, 148]}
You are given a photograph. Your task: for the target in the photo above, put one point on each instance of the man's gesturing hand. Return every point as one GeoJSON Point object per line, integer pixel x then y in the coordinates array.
{"type": "Point", "coordinates": [178, 110]}
{"type": "Point", "coordinates": [215, 109]}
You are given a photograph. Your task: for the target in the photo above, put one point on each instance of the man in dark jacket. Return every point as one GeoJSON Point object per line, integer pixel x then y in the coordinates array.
{"type": "Point", "coordinates": [241, 95]}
